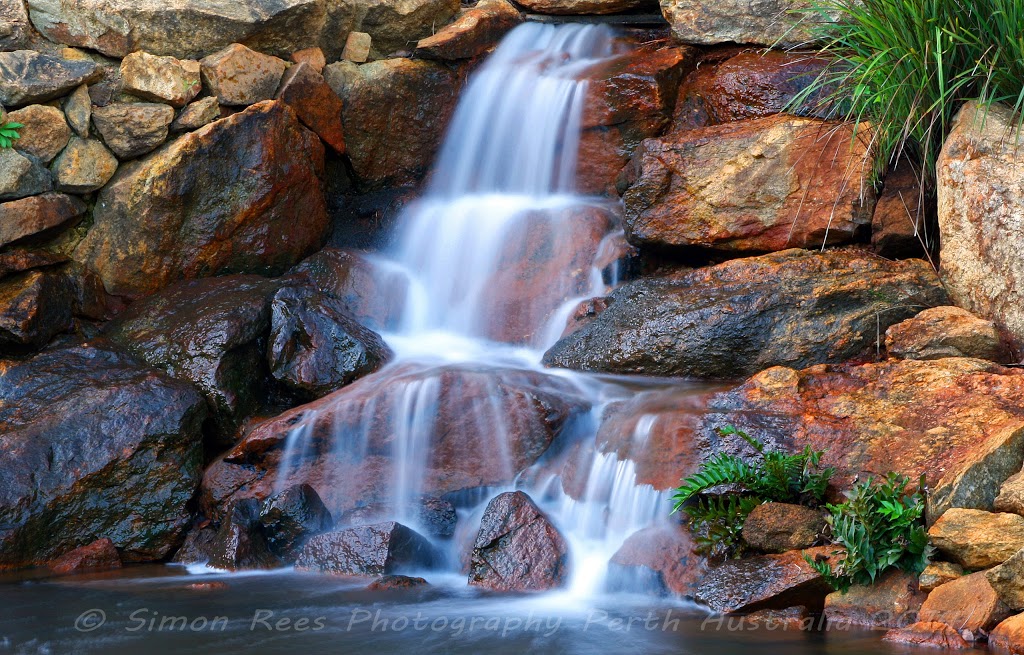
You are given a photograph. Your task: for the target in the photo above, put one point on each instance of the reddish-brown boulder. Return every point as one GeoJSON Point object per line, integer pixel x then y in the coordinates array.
{"type": "Point", "coordinates": [517, 548]}
{"type": "Point", "coordinates": [241, 195]}
{"type": "Point", "coordinates": [946, 332]}
{"type": "Point", "coordinates": [99, 555]}
{"type": "Point", "coordinates": [977, 539]}
{"type": "Point", "coordinates": [367, 550]}
{"type": "Point", "coordinates": [781, 527]}
{"type": "Point", "coordinates": [1008, 636]}
{"type": "Point", "coordinates": [18, 260]}
{"type": "Point", "coordinates": [305, 91]}
{"type": "Point", "coordinates": [474, 32]}
{"type": "Point", "coordinates": [396, 583]}
{"type": "Point", "coordinates": [967, 603]}
{"type": "Point", "coordinates": [34, 307]}
{"type": "Point", "coordinates": [892, 601]}
{"type": "Point", "coordinates": [928, 633]}
{"type": "Point", "coordinates": [580, 7]}
{"type": "Point", "coordinates": [762, 185]}
{"type": "Point", "coordinates": [662, 558]}
{"type": "Point", "coordinates": [37, 215]}
{"type": "Point", "coordinates": [765, 582]}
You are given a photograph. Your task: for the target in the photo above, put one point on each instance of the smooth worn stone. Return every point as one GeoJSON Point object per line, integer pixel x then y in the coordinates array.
{"type": "Point", "coordinates": [517, 548]}
{"type": "Point", "coordinates": [71, 472]}
{"type": "Point", "coordinates": [1008, 580]}
{"type": "Point", "coordinates": [241, 195]}
{"type": "Point", "coordinates": [379, 549]}
{"type": "Point", "coordinates": [45, 132]}
{"type": "Point", "coordinates": [981, 208]}
{"type": "Point", "coordinates": [780, 527]}
{"type": "Point", "coordinates": [751, 84]}
{"type": "Point", "coordinates": [305, 91]}
{"type": "Point", "coordinates": [892, 601]}
{"type": "Point", "coordinates": [98, 556]}
{"type": "Point", "coordinates": [316, 347]}
{"type": "Point", "coordinates": [765, 582]}
{"type": "Point", "coordinates": [756, 185]}
{"type": "Point", "coordinates": [967, 603]}
{"type": "Point", "coordinates": [78, 110]}
{"type": "Point", "coordinates": [1011, 495]}
{"type": "Point", "coordinates": [396, 25]}
{"type": "Point", "coordinates": [474, 32]}
{"type": "Point", "coordinates": [186, 29]}
{"type": "Point", "coordinates": [928, 633]}
{"type": "Point", "coordinates": [357, 47]}
{"type": "Point", "coordinates": [946, 332]}
{"type": "Point", "coordinates": [777, 23]}
{"type": "Point", "coordinates": [34, 307]}
{"type": "Point", "coordinates": [1008, 636]}
{"type": "Point", "coordinates": [312, 57]}
{"type": "Point", "coordinates": [22, 176]}
{"type": "Point", "coordinates": [977, 539]}
{"type": "Point", "coordinates": [210, 332]}
{"type": "Point", "coordinates": [898, 225]}
{"type": "Point", "coordinates": [394, 147]}
{"type": "Point", "coordinates": [161, 79]}
{"type": "Point", "coordinates": [85, 165]}
{"type": "Point", "coordinates": [396, 582]}
{"type": "Point", "coordinates": [939, 573]}
{"type": "Point", "coordinates": [794, 308]}
{"type": "Point", "coordinates": [289, 518]}
{"type": "Point", "coordinates": [658, 557]}
{"type": "Point", "coordinates": [28, 77]}
{"type": "Point", "coordinates": [133, 129]}
{"type": "Point", "coordinates": [197, 114]}
{"type": "Point", "coordinates": [240, 76]}
{"type": "Point", "coordinates": [37, 215]}
{"type": "Point", "coordinates": [581, 7]}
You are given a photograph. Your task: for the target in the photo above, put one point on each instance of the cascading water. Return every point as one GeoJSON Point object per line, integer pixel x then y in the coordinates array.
{"type": "Point", "coordinates": [497, 254]}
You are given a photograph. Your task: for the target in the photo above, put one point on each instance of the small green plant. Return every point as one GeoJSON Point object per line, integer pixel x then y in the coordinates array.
{"type": "Point", "coordinates": [880, 526]}
{"type": "Point", "coordinates": [9, 133]}
{"type": "Point", "coordinates": [773, 476]}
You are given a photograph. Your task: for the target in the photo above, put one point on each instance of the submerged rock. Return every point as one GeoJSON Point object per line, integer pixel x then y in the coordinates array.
{"type": "Point", "coordinates": [367, 550]}
{"type": "Point", "coordinates": [95, 443]}
{"type": "Point", "coordinates": [794, 308]}
{"type": "Point", "coordinates": [765, 582]}
{"type": "Point", "coordinates": [928, 633]}
{"type": "Point", "coordinates": [517, 548]}
{"type": "Point", "coordinates": [946, 332]}
{"type": "Point", "coordinates": [892, 601]}
{"type": "Point", "coordinates": [658, 558]}
{"type": "Point", "coordinates": [99, 555]}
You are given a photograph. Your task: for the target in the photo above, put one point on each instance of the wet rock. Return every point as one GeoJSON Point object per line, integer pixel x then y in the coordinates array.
{"type": "Point", "coordinates": [764, 582]}
{"type": "Point", "coordinates": [99, 555]}
{"type": "Point", "coordinates": [980, 199]}
{"type": "Point", "coordinates": [777, 23]}
{"type": "Point", "coordinates": [239, 544]}
{"type": "Point", "coordinates": [241, 195]}
{"type": "Point", "coordinates": [316, 346]}
{"type": "Point", "coordinates": [85, 165]}
{"type": "Point", "coordinates": [756, 185]}
{"type": "Point", "coordinates": [161, 79]}
{"type": "Point", "coordinates": [751, 84]}
{"type": "Point", "coordinates": [198, 545]}
{"type": "Point", "coordinates": [581, 7]}
{"type": "Point", "coordinates": [661, 558]}
{"type": "Point", "coordinates": [791, 618]}
{"type": "Point", "coordinates": [398, 24]}
{"type": "Point", "coordinates": [939, 573]}
{"type": "Point", "coordinates": [435, 516]}
{"type": "Point", "coordinates": [186, 29]}
{"type": "Point", "coordinates": [394, 147]}
{"type": "Point", "coordinates": [892, 601]}
{"type": "Point", "coordinates": [1008, 636]}
{"type": "Point", "coordinates": [34, 307]}
{"type": "Point", "coordinates": [197, 114]}
{"type": "Point", "coordinates": [78, 110]}
{"type": "Point", "coordinates": [37, 215]}
{"type": "Point", "coordinates": [977, 539]}
{"type": "Point", "coordinates": [928, 633]}
{"type": "Point", "coordinates": [94, 443]}
{"type": "Point", "coordinates": [305, 91]}
{"type": "Point", "coordinates": [28, 77]}
{"type": "Point", "coordinates": [779, 527]}
{"type": "Point", "coordinates": [45, 133]}
{"type": "Point", "coordinates": [19, 260]}
{"type": "Point", "coordinates": [240, 76]}
{"type": "Point", "coordinates": [210, 332]}
{"type": "Point", "coordinates": [22, 176]}
{"type": "Point", "coordinates": [898, 223]}
{"type": "Point", "coordinates": [794, 307]}
{"type": "Point", "coordinates": [396, 582]}
{"type": "Point", "coordinates": [292, 516]}
{"type": "Point", "coordinates": [1011, 495]}
{"type": "Point", "coordinates": [968, 603]}
{"type": "Point", "coordinates": [517, 548]}
{"type": "Point", "coordinates": [946, 332]}
{"type": "Point", "coordinates": [1008, 581]}
{"type": "Point", "coordinates": [584, 314]}
{"type": "Point", "coordinates": [133, 129]}
{"type": "Point", "coordinates": [312, 57]}
{"type": "Point", "coordinates": [367, 550]}
{"type": "Point", "coordinates": [474, 32]}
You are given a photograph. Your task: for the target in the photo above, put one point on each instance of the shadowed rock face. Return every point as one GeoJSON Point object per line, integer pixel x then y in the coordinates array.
{"type": "Point", "coordinates": [765, 582]}
{"type": "Point", "coordinates": [367, 550]}
{"type": "Point", "coordinates": [241, 195]}
{"type": "Point", "coordinates": [794, 308]}
{"type": "Point", "coordinates": [94, 443]}
{"type": "Point", "coordinates": [517, 548]}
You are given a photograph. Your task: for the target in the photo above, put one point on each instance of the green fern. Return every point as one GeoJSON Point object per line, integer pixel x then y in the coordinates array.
{"type": "Point", "coordinates": [717, 524]}
{"type": "Point", "coordinates": [9, 133]}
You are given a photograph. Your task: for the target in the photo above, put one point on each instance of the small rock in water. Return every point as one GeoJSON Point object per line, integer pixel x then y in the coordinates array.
{"type": "Point", "coordinates": [378, 549]}
{"type": "Point", "coordinates": [928, 633]}
{"type": "Point", "coordinates": [239, 545]}
{"type": "Point", "coordinates": [396, 582]}
{"type": "Point", "coordinates": [100, 554]}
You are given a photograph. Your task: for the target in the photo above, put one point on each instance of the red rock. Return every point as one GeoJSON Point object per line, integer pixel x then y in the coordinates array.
{"type": "Point", "coordinates": [517, 548]}
{"type": "Point", "coordinates": [240, 76]}
{"type": "Point", "coordinates": [18, 260]}
{"type": "Point", "coordinates": [765, 582]}
{"type": "Point", "coordinates": [207, 586]}
{"type": "Point", "coordinates": [34, 307]}
{"type": "Point", "coordinates": [665, 552]}
{"type": "Point", "coordinates": [946, 332]}
{"type": "Point", "coordinates": [928, 633]}
{"type": "Point", "coordinates": [474, 32]}
{"type": "Point", "coordinates": [396, 582]}
{"type": "Point", "coordinates": [100, 554]}
{"type": "Point", "coordinates": [305, 91]}
{"type": "Point", "coordinates": [967, 603]}
{"type": "Point", "coordinates": [314, 57]}
{"type": "Point", "coordinates": [24, 218]}
{"type": "Point", "coordinates": [1008, 636]}
{"type": "Point", "coordinates": [892, 602]}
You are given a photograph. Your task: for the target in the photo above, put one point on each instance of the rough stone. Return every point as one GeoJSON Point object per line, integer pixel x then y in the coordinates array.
{"type": "Point", "coordinates": [967, 603]}
{"type": "Point", "coordinates": [312, 57]}
{"type": "Point", "coordinates": [893, 601]}
{"type": "Point", "coordinates": [99, 555]}
{"type": "Point", "coordinates": [240, 76]}
{"type": "Point", "coordinates": [34, 307]}
{"type": "Point", "coordinates": [305, 91]}
{"type": "Point", "coordinates": [45, 133]}
{"type": "Point", "coordinates": [357, 47]}
{"type": "Point", "coordinates": [946, 332]}
{"type": "Point", "coordinates": [22, 176]}
{"type": "Point", "coordinates": [18, 260]}
{"type": "Point", "coordinates": [197, 114]}
{"type": "Point", "coordinates": [78, 110]}
{"type": "Point", "coordinates": [898, 225]}
{"type": "Point", "coordinates": [28, 77]}
{"type": "Point", "coordinates": [161, 79]}
{"type": "Point", "coordinates": [291, 517]}
{"type": "Point", "coordinates": [85, 165]}
{"type": "Point", "coordinates": [1008, 636]}
{"type": "Point", "coordinates": [37, 215]}
{"type": "Point", "coordinates": [777, 23]}
{"type": "Point", "coordinates": [474, 32]}
{"type": "Point", "coordinates": [765, 582]}
{"type": "Point", "coordinates": [396, 582]}
{"type": "Point", "coordinates": [581, 7]}
{"type": "Point", "coordinates": [1011, 495]}
{"type": "Point", "coordinates": [133, 129]}
{"type": "Point", "coordinates": [396, 25]}
{"type": "Point", "coordinates": [239, 545]}
{"type": "Point", "coordinates": [1008, 581]}
{"type": "Point", "coordinates": [779, 527]}
{"type": "Point", "coordinates": [977, 539]}
{"type": "Point", "coordinates": [939, 573]}
{"type": "Point", "coordinates": [367, 550]}
{"type": "Point", "coordinates": [435, 516]}
{"type": "Point", "coordinates": [928, 633]}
